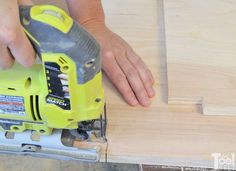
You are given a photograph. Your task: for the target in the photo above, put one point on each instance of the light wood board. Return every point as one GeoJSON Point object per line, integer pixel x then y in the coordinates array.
{"type": "Point", "coordinates": [161, 134]}
{"type": "Point", "coordinates": [201, 54]}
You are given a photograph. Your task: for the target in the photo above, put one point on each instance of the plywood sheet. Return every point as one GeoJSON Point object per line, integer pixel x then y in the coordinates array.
{"type": "Point", "coordinates": [201, 54]}
{"type": "Point", "coordinates": [161, 134]}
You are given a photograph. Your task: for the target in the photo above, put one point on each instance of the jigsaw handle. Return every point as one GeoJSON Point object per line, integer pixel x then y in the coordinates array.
{"type": "Point", "coordinates": [52, 30]}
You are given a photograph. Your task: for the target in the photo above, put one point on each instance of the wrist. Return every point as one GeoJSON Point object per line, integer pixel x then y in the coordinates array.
{"type": "Point", "coordinates": [86, 12]}
{"type": "Point", "coordinates": [93, 23]}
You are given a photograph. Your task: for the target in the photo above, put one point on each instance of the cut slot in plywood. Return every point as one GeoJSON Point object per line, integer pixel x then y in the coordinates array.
{"type": "Point", "coordinates": [201, 54]}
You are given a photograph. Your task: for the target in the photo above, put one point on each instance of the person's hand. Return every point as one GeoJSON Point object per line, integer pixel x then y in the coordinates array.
{"type": "Point", "coordinates": [123, 66]}
{"type": "Point", "coordinates": [14, 44]}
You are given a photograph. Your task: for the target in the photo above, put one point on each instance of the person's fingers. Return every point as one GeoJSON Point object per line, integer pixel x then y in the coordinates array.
{"type": "Point", "coordinates": [143, 71]}
{"type": "Point", "coordinates": [22, 49]}
{"type": "Point", "coordinates": [118, 78]}
{"type": "Point", "coordinates": [6, 59]}
{"type": "Point", "coordinates": [134, 80]}
{"type": "Point", "coordinates": [138, 63]}
{"type": "Point", "coordinates": [13, 36]}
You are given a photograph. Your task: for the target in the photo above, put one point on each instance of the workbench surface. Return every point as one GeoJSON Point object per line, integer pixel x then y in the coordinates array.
{"type": "Point", "coordinates": [160, 134]}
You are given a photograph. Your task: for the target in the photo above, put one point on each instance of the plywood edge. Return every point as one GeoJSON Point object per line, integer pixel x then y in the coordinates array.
{"type": "Point", "coordinates": [207, 109]}
{"type": "Point", "coordinates": [185, 100]}
{"type": "Point", "coordinates": [215, 110]}
{"type": "Point", "coordinates": [158, 160]}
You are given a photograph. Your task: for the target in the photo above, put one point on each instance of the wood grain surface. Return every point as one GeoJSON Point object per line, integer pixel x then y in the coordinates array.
{"type": "Point", "coordinates": [201, 54]}
{"type": "Point", "coordinates": [161, 134]}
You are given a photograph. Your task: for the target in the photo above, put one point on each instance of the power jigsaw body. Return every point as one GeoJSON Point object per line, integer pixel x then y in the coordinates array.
{"type": "Point", "coordinates": [61, 98]}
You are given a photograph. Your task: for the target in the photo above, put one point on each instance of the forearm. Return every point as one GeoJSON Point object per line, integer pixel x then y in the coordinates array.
{"type": "Point", "coordinates": [86, 11]}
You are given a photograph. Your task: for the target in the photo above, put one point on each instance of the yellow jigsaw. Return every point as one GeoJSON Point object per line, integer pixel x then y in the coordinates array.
{"type": "Point", "coordinates": [60, 99]}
